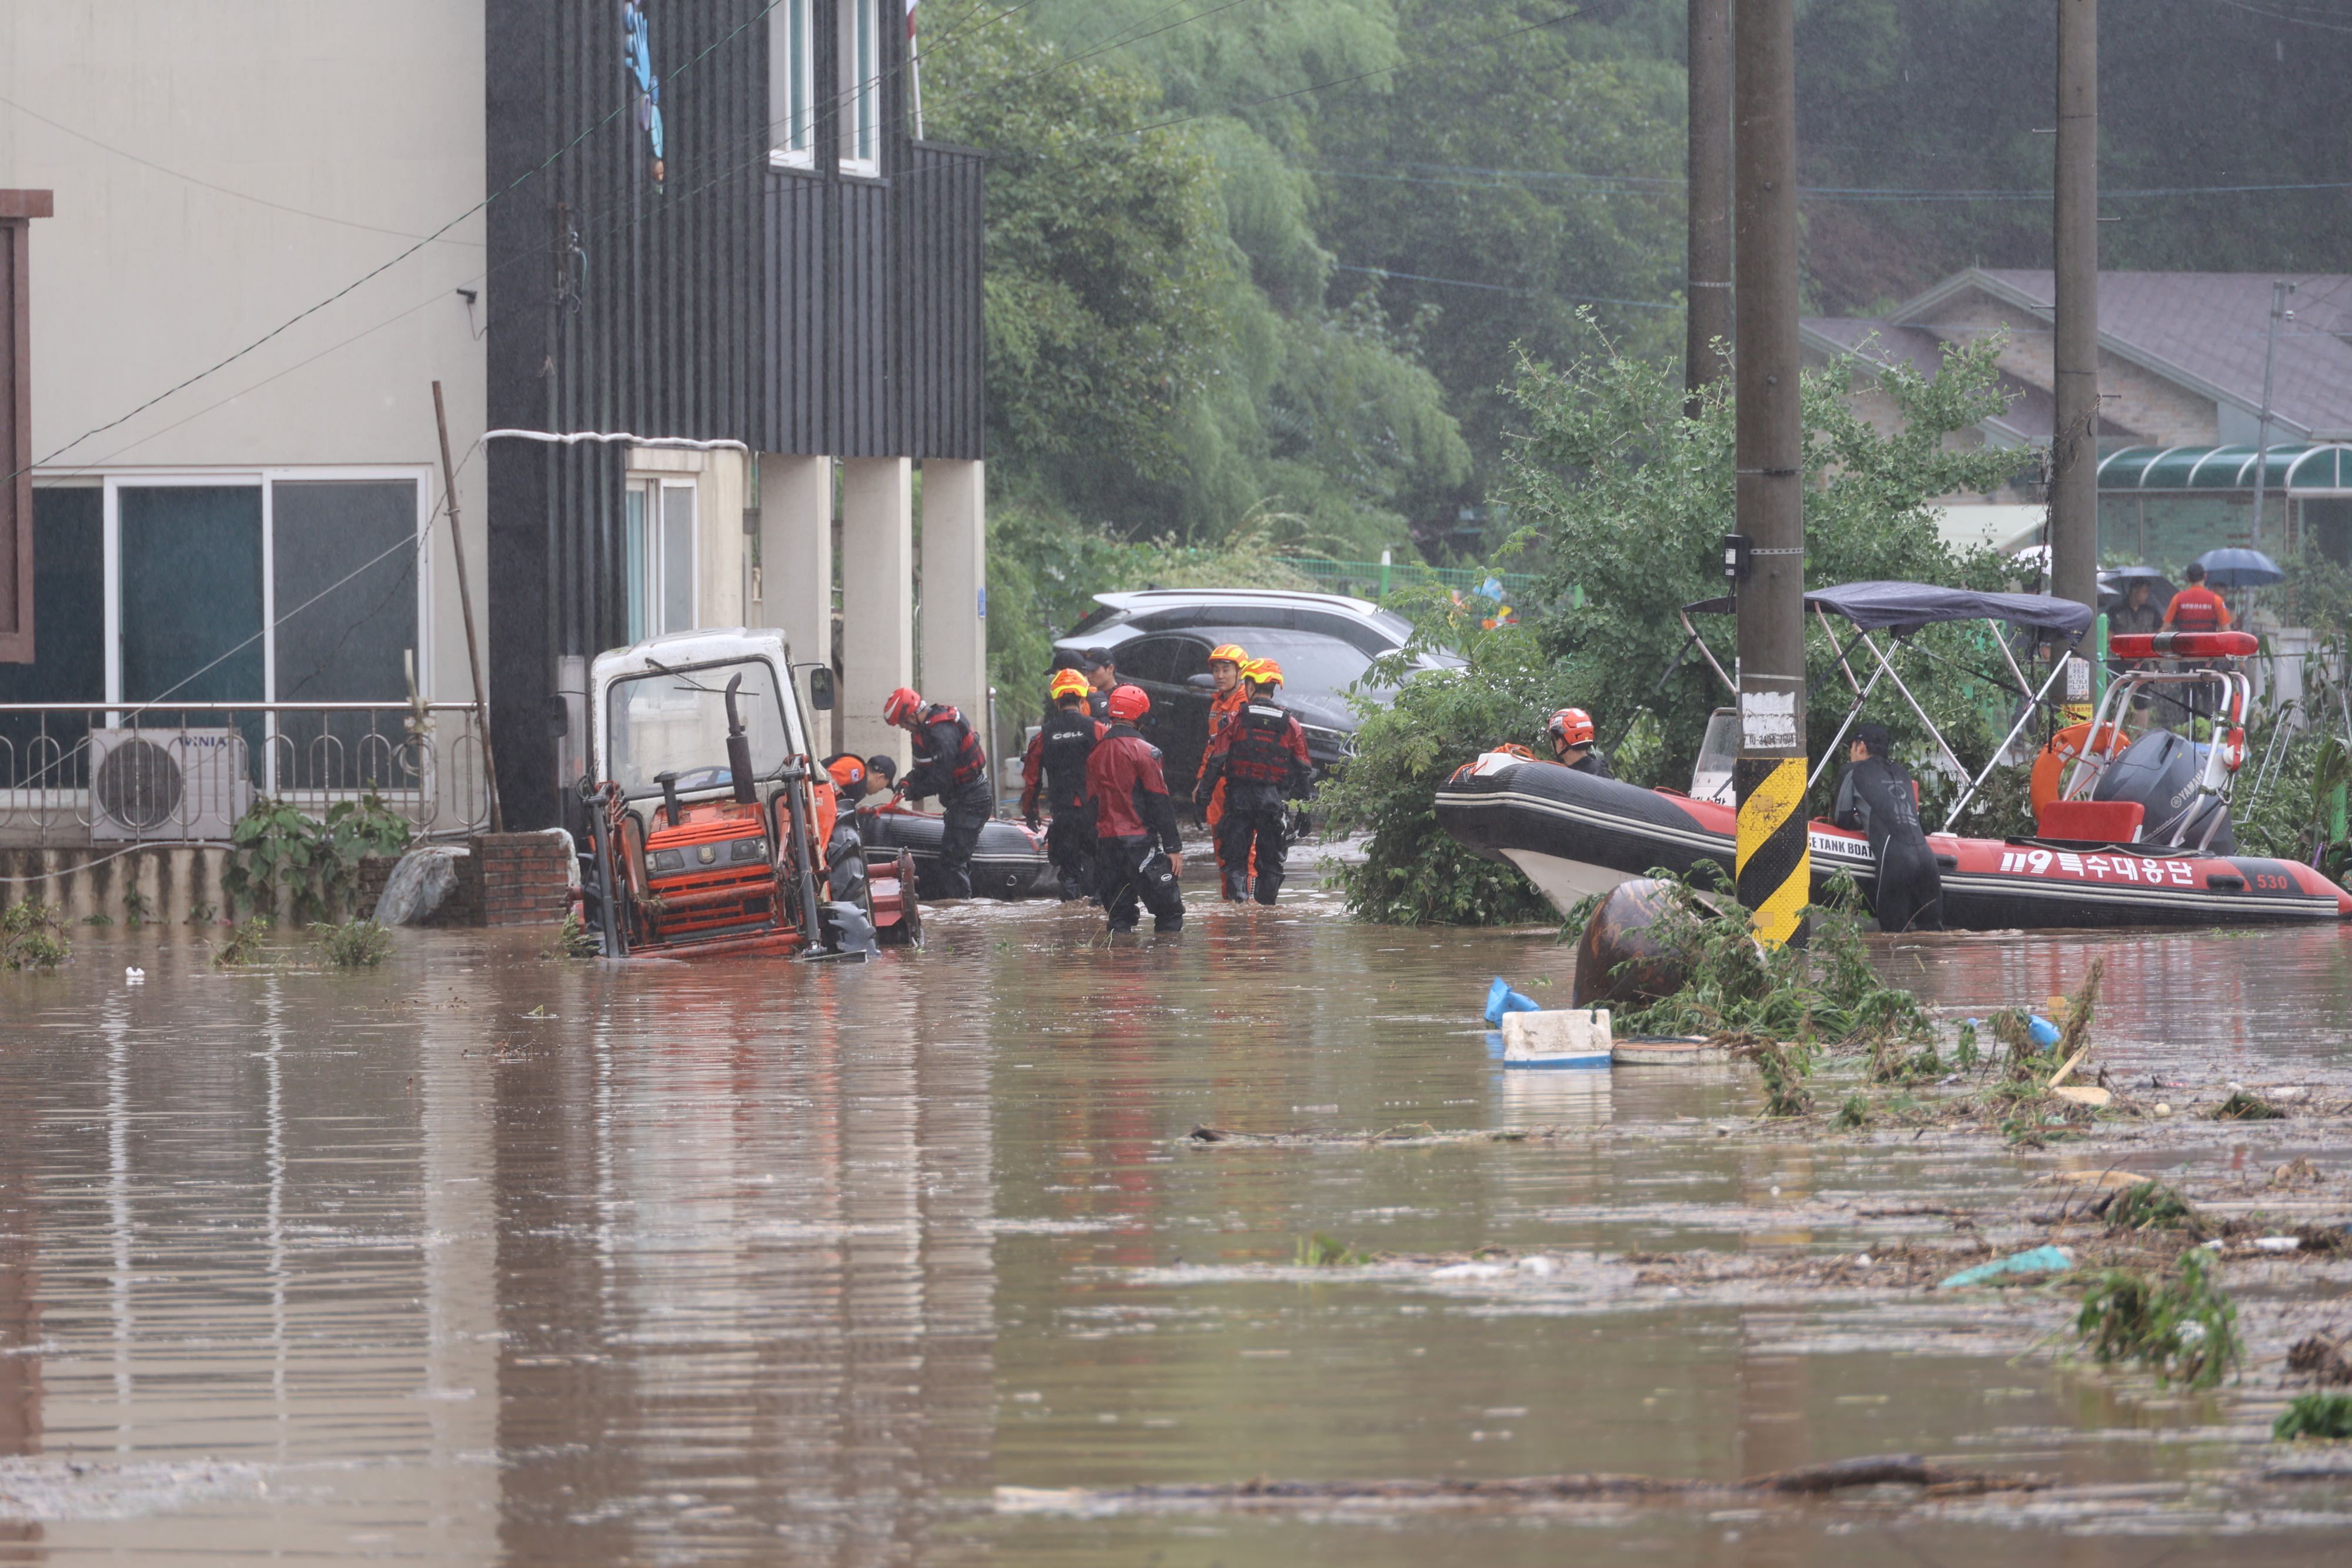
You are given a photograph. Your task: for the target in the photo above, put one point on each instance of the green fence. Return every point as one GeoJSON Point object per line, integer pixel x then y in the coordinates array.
{"type": "Point", "coordinates": [1371, 578]}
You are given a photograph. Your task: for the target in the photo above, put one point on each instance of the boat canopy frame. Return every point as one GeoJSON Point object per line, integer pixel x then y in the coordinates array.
{"type": "Point", "coordinates": [1900, 609]}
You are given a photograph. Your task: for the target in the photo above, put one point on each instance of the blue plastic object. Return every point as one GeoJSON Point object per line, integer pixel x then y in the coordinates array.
{"type": "Point", "coordinates": [2044, 1032]}
{"type": "Point", "coordinates": [2034, 1260]}
{"type": "Point", "coordinates": [1495, 1044]}
{"type": "Point", "coordinates": [1501, 999]}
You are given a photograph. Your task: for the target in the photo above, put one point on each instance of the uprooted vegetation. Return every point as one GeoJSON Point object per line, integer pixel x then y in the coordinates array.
{"type": "Point", "coordinates": [2184, 1327]}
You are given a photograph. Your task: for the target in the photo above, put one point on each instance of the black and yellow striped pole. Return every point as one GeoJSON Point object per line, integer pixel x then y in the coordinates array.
{"type": "Point", "coordinates": [1774, 856]}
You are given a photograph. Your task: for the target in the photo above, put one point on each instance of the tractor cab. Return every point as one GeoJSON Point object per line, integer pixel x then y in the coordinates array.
{"type": "Point", "coordinates": [710, 826]}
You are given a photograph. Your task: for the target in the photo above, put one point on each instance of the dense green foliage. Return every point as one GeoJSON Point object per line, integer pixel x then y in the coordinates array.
{"type": "Point", "coordinates": [2184, 1328]}
{"type": "Point", "coordinates": [32, 935]}
{"type": "Point", "coordinates": [276, 847]}
{"type": "Point", "coordinates": [1632, 494]}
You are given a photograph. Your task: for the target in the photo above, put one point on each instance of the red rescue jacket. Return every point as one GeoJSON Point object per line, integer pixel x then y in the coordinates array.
{"type": "Point", "coordinates": [1130, 791]}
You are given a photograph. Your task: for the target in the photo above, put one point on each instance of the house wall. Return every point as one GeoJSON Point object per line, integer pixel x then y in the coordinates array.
{"type": "Point", "coordinates": [259, 156]}
{"type": "Point", "coordinates": [2150, 407]}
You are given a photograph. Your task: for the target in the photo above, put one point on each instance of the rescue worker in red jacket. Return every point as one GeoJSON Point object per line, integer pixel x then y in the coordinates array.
{"type": "Point", "coordinates": [1261, 757]}
{"type": "Point", "coordinates": [1054, 776]}
{"type": "Point", "coordinates": [1225, 662]}
{"type": "Point", "coordinates": [950, 763]}
{"type": "Point", "coordinates": [1138, 852]}
{"type": "Point", "coordinates": [2196, 608]}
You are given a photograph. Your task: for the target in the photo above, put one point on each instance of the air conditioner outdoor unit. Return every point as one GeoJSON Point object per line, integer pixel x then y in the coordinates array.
{"type": "Point", "coordinates": [167, 784]}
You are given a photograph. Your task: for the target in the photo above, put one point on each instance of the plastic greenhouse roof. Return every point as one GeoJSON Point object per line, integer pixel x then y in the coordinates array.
{"type": "Point", "coordinates": [2287, 466]}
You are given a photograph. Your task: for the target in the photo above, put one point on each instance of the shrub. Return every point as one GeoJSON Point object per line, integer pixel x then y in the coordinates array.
{"type": "Point", "coordinates": [32, 935]}
{"type": "Point", "coordinates": [355, 944]}
{"type": "Point", "coordinates": [2184, 1328]}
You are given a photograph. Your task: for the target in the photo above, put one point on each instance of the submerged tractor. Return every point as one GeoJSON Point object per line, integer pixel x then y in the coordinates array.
{"type": "Point", "coordinates": [710, 826]}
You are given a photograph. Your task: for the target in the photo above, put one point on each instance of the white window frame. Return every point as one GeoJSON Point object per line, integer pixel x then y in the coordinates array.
{"type": "Point", "coordinates": [263, 479]}
{"type": "Point", "coordinates": [653, 565]}
{"type": "Point", "coordinates": [792, 86]}
{"type": "Point", "coordinates": [861, 86]}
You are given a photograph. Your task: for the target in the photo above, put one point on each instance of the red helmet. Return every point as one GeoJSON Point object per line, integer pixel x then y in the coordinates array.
{"type": "Point", "coordinates": [1127, 703]}
{"type": "Point", "coordinates": [1571, 726]}
{"type": "Point", "coordinates": [901, 706]}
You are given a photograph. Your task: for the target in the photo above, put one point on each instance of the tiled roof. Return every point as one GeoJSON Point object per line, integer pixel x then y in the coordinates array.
{"type": "Point", "coordinates": [2208, 328]}
{"type": "Point", "coordinates": [2032, 412]}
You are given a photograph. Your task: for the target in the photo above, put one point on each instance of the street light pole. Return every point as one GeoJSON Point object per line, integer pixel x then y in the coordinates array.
{"type": "Point", "coordinates": [1773, 856]}
{"type": "Point", "coordinates": [2074, 233]}
{"type": "Point", "coordinates": [1708, 265]}
{"type": "Point", "coordinates": [2280, 289]}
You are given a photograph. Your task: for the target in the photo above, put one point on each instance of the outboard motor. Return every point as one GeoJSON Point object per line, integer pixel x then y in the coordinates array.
{"type": "Point", "coordinates": [2160, 771]}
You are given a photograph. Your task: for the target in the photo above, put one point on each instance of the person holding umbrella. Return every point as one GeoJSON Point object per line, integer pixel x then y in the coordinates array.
{"type": "Point", "coordinates": [2134, 615]}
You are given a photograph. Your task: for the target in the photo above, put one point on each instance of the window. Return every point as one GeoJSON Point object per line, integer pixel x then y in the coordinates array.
{"type": "Point", "coordinates": [658, 520]}
{"type": "Point", "coordinates": [792, 79]}
{"type": "Point", "coordinates": [1149, 659]}
{"type": "Point", "coordinates": [292, 587]}
{"type": "Point", "coordinates": [861, 88]}
{"type": "Point", "coordinates": [794, 106]}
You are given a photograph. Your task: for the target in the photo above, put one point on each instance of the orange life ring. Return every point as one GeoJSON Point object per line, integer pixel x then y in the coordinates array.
{"type": "Point", "coordinates": [2063, 747]}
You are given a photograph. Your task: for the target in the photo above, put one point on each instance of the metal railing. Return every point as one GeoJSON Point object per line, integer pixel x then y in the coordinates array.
{"type": "Point", "coordinates": [77, 773]}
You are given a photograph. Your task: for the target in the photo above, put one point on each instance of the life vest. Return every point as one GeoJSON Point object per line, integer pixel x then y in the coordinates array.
{"type": "Point", "coordinates": [1259, 751]}
{"type": "Point", "coordinates": [2196, 610]}
{"type": "Point", "coordinates": [1065, 742]}
{"type": "Point", "coordinates": [970, 764]}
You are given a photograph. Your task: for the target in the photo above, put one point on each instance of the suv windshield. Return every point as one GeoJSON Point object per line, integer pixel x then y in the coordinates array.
{"type": "Point", "coordinates": [675, 721]}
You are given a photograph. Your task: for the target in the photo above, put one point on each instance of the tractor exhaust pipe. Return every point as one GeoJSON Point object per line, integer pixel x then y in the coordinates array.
{"type": "Point", "coordinates": [739, 748]}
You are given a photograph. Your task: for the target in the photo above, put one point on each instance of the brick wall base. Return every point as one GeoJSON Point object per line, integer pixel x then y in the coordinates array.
{"type": "Point", "coordinates": [520, 878]}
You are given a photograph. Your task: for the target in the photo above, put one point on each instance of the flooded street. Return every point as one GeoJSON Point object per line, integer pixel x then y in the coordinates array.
{"type": "Point", "coordinates": [490, 1258]}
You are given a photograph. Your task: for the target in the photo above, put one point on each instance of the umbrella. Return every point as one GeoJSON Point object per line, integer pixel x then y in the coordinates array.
{"type": "Point", "coordinates": [2239, 569]}
{"type": "Point", "coordinates": [2119, 581]}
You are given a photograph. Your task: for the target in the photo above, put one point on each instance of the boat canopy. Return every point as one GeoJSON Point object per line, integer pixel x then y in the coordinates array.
{"type": "Point", "coordinates": [1904, 607]}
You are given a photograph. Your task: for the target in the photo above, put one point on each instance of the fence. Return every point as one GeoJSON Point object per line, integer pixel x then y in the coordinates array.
{"type": "Point", "coordinates": [73, 774]}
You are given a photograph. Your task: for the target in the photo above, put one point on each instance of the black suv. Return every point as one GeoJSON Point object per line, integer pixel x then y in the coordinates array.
{"type": "Point", "coordinates": [1161, 638]}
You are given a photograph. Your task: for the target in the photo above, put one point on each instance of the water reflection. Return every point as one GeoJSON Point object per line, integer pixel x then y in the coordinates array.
{"type": "Point", "coordinates": [487, 1258]}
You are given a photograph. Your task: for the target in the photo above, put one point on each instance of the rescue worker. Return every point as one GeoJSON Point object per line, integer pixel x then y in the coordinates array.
{"type": "Point", "coordinates": [882, 773]}
{"type": "Point", "coordinates": [1139, 855]}
{"type": "Point", "coordinates": [1261, 757]}
{"type": "Point", "coordinates": [950, 763]}
{"type": "Point", "coordinates": [836, 827]}
{"type": "Point", "coordinates": [2134, 617]}
{"type": "Point", "coordinates": [1102, 677]}
{"type": "Point", "coordinates": [1055, 768]}
{"type": "Point", "coordinates": [1225, 662]}
{"type": "Point", "coordinates": [2196, 608]}
{"type": "Point", "coordinates": [1877, 798]}
{"type": "Point", "coordinates": [1572, 742]}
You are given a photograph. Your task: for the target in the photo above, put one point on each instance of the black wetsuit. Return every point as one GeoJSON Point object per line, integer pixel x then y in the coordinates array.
{"type": "Point", "coordinates": [950, 763]}
{"type": "Point", "coordinates": [1592, 762]}
{"type": "Point", "coordinates": [1875, 797]}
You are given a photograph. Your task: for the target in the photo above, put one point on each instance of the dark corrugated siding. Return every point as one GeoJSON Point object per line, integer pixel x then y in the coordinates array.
{"type": "Point", "coordinates": [795, 312]}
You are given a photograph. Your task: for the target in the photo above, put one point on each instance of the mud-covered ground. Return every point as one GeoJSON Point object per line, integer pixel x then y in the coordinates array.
{"type": "Point", "coordinates": [487, 1257]}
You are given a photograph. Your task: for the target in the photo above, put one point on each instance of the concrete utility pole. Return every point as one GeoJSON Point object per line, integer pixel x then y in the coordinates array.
{"type": "Point", "coordinates": [2280, 289]}
{"type": "Point", "coordinates": [2075, 229]}
{"type": "Point", "coordinates": [1774, 857]}
{"type": "Point", "coordinates": [1709, 269]}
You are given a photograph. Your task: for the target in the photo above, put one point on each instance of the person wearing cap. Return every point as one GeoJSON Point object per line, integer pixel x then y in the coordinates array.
{"type": "Point", "coordinates": [836, 827]}
{"type": "Point", "coordinates": [951, 763]}
{"type": "Point", "coordinates": [1877, 798]}
{"type": "Point", "coordinates": [1054, 771]}
{"type": "Point", "coordinates": [1102, 672]}
{"type": "Point", "coordinates": [2196, 608]}
{"type": "Point", "coordinates": [1225, 662]}
{"type": "Point", "coordinates": [1139, 859]}
{"type": "Point", "coordinates": [1261, 757]}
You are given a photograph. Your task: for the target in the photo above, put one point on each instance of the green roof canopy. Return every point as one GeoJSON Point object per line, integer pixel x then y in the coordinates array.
{"type": "Point", "coordinates": [2289, 466]}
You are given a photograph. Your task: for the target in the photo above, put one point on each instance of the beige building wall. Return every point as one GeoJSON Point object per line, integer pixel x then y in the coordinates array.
{"type": "Point", "coordinates": [221, 166]}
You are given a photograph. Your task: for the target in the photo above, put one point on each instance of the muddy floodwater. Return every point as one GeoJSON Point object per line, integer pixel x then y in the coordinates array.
{"type": "Point", "coordinates": [484, 1257]}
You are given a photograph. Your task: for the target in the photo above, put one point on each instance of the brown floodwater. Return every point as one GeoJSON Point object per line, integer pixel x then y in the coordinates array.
{"type": "Point", "coordinates": [488, 1258]}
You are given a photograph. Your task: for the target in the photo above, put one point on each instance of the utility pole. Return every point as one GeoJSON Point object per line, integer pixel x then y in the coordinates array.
{"type": "Point", "coordinates": [1708, 268]}
{"type": "Point", "coordinates": [2280, 289]}
{"type": "Point", "coordinates": [2074, 230]}
{"type": "Point", "coordinates": [1774, 855]}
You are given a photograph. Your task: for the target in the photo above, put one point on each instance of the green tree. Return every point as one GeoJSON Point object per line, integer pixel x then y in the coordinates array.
{"type": "Point", "coordinates": [1631, 498]}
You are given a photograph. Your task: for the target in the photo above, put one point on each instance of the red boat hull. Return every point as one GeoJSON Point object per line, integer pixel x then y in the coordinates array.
{"type": "Point", "coordinates": [1574, 834]}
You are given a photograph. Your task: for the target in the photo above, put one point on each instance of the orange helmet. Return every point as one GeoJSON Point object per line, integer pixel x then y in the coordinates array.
{"type": "Point", "coordinates": [847, 772]}
{"type": "Point", "coordinates": [1262, 672]}
{"type": "Point", "coordinates": [901, 704]}
{"type": "Point", "coordinates": [1571, 726]}
{"type": "Point", "coordinates": [1127, 704]}
{"type": "Point", "coordinates": [1067, 683]}
{"type": "Point", "coordinates": [1227, 652]}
